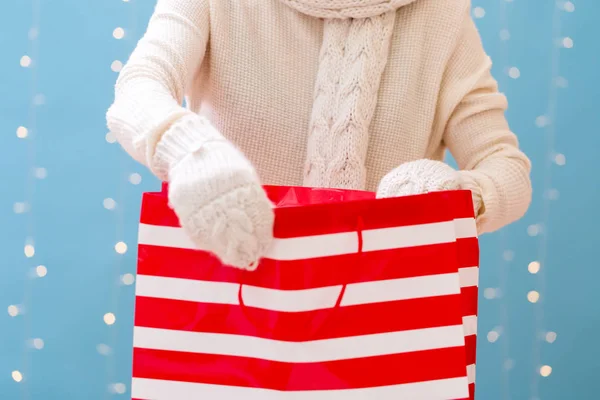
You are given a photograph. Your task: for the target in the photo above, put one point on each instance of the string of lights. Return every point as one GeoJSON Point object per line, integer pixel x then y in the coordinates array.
{"type": "Point", "coordinates": [27, 133]}
{"type": "Point", "coordinates": [500, 333]}
{"type": "Point", "coordinates": [538, 267]}
{"type": "Point", "coordinates": [118, 206]}
{"type": "Point", "coordinates": [507, 255]}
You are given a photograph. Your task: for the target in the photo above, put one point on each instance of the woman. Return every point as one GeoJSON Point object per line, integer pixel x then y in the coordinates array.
{"type": "Point", "coordinates": [357, 94]}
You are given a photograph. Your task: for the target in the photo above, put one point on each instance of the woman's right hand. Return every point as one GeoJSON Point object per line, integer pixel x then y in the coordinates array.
{"type": "Point", "coordinates": [217, 195]}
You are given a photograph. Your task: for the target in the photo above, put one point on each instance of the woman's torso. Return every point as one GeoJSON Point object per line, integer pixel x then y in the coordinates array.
{"type": "Point", "coordinates": [256, 85]}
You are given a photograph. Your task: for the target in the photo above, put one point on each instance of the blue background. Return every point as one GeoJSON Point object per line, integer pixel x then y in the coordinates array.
{"type": "Point", "coordinates": [553, 91]}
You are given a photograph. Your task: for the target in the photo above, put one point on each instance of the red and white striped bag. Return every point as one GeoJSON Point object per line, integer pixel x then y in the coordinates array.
{"type": "Point", "coordinates": [358, 299]}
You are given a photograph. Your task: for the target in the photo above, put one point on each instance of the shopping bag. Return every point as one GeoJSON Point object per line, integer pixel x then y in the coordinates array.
{"type": "Point", "coordinates": [358, 299]}
{"type": "Point", "coordinates": [468, 264]}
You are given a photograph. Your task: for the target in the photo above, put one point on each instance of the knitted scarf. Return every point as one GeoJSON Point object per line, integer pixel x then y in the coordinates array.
{"type": "Point", "coordinates": [354, 53]}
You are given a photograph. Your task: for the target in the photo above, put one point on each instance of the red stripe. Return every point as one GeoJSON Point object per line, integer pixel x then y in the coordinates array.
{"type": "Point", "coordinates": [471, 349]}
{"type": "Point", "coordinates": [301, 274]}
{"type": "Point", "coordinates": [468, 252]}
{"type": "Point", "coordinates": [469, 300]}
{"type": "Point", "coordinates": [462, 204]}
{"type": "Point", "coordinates": [345, 374]}
{"type": "Point", "coordinates": [309, 220]}
{"type": "Point", "coordinates": [299, 326]}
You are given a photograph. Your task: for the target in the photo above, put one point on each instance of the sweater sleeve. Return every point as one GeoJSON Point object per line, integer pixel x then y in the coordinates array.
{"type": "Point", "coordinates": [479, 138]}
{"type": "Point", "coordinates": [151, 86]}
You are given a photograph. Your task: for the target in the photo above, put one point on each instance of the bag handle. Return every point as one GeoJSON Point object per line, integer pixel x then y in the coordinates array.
{"type": "Point", "coordinates": [338, 303]}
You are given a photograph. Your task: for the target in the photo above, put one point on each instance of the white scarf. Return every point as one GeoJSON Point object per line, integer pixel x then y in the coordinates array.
{"type": "Point", "coordinates": [354, 53]}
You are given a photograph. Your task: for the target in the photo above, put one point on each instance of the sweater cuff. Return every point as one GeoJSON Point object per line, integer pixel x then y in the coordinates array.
{"type": "Point", "coordinates": [187, 135]}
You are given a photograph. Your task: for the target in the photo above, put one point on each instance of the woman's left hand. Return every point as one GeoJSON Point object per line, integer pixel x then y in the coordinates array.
{"type": "Point", "coordinates": [422, 176]}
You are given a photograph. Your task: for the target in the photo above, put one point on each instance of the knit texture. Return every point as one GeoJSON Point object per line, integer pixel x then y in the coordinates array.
{"type": "Point", "coordinates": [353, 57]}
{"type": "Point", "coordinates": [344, 9]}
{"type": "Point", "coordinates": [417, 177]}
{"type": "Point", "coordinates": [425, 176]}
{"type": "Point", "coordinates": [215, 193]}
{"type": "Point", "coordinates": [251, 68]}
{"type": "Point", "coordinates": [356, 43]}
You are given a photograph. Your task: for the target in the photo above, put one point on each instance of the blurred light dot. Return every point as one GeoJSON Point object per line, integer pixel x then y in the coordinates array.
{"type": "Point", "coordinates": [504, 34]}
{"type": "Point", "coordinates": [479, 12]}
{"type": "Point", "coordinates": [19, 208]}
{"type": "Point", "coordinates": [560, 159]}
{"type": "Point", "coordinates": [17, 376]}
{"type": "Point", "coordinates": [109, 318]}
{"type": "Point", "coordinates": [103, 349]}
{"type": "Point", "coordinates": [509, 364]}
{"type": "Point", "coordinates": [13, 310]}
{"type": "Point", "coordinates": [110, 137]}
{"type": "Point", "coordinates": [569, 6]}
{"type": "Point", "coordinates": [533, 230]}
{"type": "Point", "coordinates": [135, 179]}
{"type": "Point", "coordinates": [489, 293]}
{"type": "Point", "coordinates": [109, 204]}
{"type": "Point", "coordinates": [545, 371]}
{"type": "Point", "coordinates": [29, 250]}
{"type": "Point", "coordinates": [119, 33]}
{"type": "Point", "coordinates": [33, 34]}
{"type": "Point", "coordinates": [533, 296]}
{"type": "Point", "coordinates": [561, 82]}
{"type": "Point", "coordinates": [116, 66]}
{"type": "Point", "coordinates": [41, 271]}
{"type": "Point", "coordinates": [39, 99]}
{"type": "Point", "coordinates": [128, 279]}
{"type": "Point", "coordinates": [533, 267]}
{"type": "Point", "coordinates": [514, 72]}
{"type": "Point", "coordinates": [22, 132]}
{"type": "Point", "coordinates": [541, 121]}
{"type": "Point", "coordinates": [121, 247]}
{"type": "Point", "coordinates": [120, 388]}
{"type": "Point", "coordinates": [567, 43]}
{"type": "Point", "coordinates": [493, 336]}
{"type": "Point", "coordinates": [25, 61]}
{"type": "Point", "coordinates": [553, 194]}
{"type": "Point", "coordinates": [38, 343]}
{"type": "Point", "coordinates": [508, 255]}
{"type": "Point", "coordinates": [41, 173]}
{"type": "Point", "coordinates": [551, 337]}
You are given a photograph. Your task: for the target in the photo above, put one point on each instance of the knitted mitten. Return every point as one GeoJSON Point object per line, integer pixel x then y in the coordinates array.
{"type": "Point", "coordinates": [215, 192]}
{"type": "Point", "coordinates": [424, 176]}
{"type": "Point", "coordinates": [416, 177]}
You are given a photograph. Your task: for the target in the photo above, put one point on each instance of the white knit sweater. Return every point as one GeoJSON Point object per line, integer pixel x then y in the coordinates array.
{"type": "Point", "coordinates": [250, 67]}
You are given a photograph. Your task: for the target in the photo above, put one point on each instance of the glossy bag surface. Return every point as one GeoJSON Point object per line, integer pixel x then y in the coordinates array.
{"type": "Point", "coordinates": [359, 298]}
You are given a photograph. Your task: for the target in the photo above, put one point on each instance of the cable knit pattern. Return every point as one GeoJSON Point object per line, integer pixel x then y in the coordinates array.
{"type": "Point", "coordinates": [417, 177]}
{"type": "Point", "coordinates": [425, 176]}
{"type": "Point", "coordinates": [343, 9]}
{"type": "Point", "coordinates": [356, 43]}
{"type": "Point", "coordinates": [269, 85]}
{"type": "Point", "coordinates": [353, 57]}
{"type": "Point", "coordinates": [215, 193]}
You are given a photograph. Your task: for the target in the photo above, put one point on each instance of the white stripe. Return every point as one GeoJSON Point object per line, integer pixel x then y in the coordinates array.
{"type": "Point", "coordinates": [297, 300]}
{"type": "Point", "coordinates": [299, 352]}
{"type": "Point", "coordinates": [470, 325]}
{"type": "Point", "coordinates": [465, 228]}
{"type": "Point", "coordinates": [471, 373]}
{"type": "Point", "coordinates": [456, 388]}
{"type": "Point", "coordinates": [322, 245]}
{"type": "Point", "coordinates": [469, 276]}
